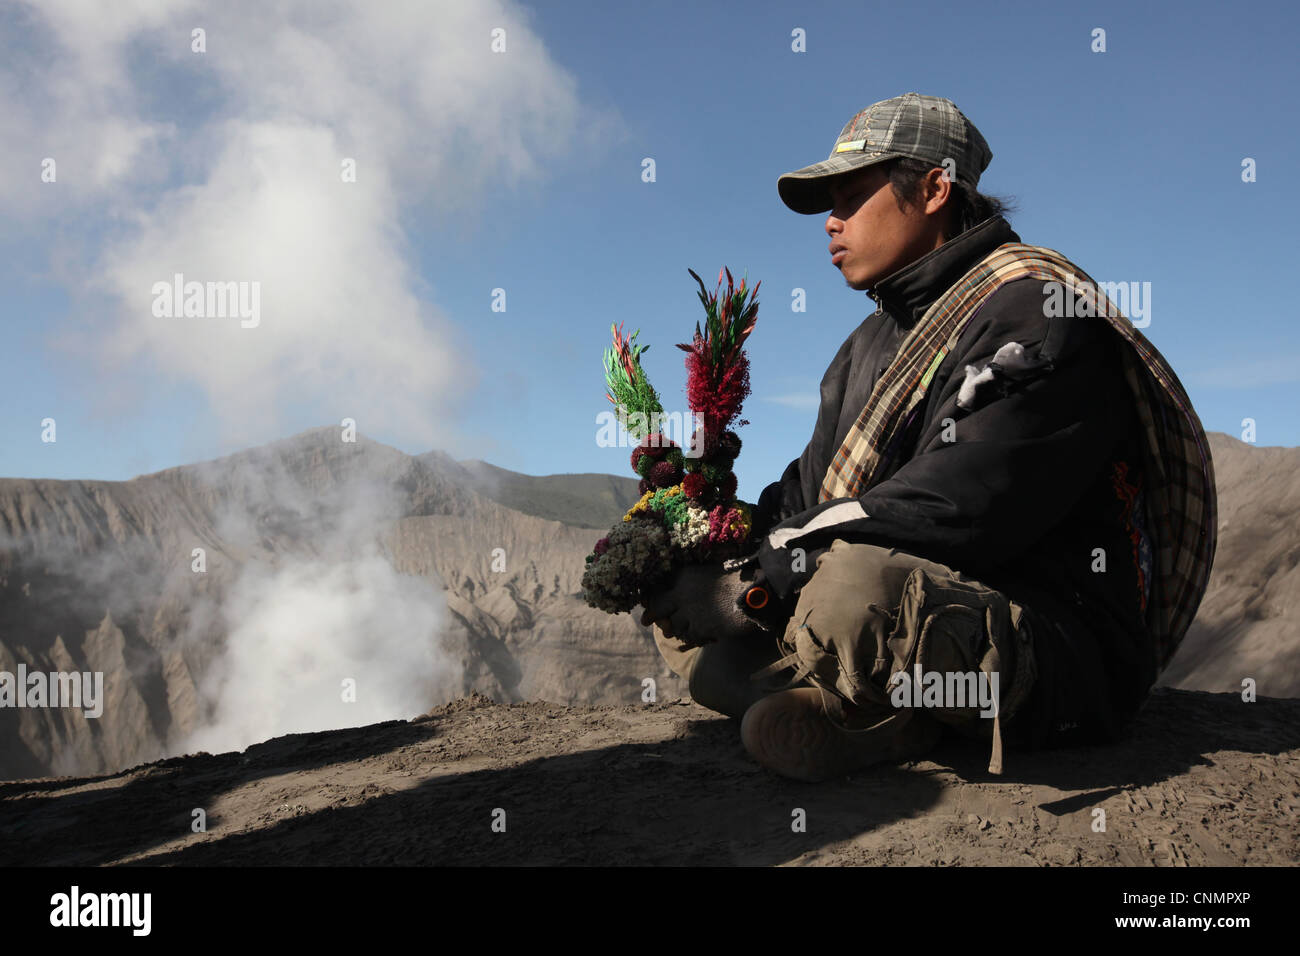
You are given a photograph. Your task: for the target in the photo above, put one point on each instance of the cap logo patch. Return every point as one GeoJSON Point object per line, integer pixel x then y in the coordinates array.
{"type": "Point", "coordinates": [851, 144]}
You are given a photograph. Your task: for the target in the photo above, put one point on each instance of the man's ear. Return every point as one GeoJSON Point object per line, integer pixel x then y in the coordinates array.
{"type": "Point", "coordinates": [937, 190]}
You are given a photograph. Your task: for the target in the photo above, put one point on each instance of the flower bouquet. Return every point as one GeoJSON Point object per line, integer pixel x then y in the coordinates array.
{"type": "Point", "coordinates": [688, 511]}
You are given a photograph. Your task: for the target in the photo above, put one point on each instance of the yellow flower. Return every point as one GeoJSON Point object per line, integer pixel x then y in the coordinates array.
{"type": "Point", "coordinates": [639, 507]}
{"type": "Point", "coordinates": [744, 518]}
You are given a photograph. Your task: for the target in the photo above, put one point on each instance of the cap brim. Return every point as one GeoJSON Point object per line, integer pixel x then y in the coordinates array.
{"type": "Point", "coordinates": [807, 190]}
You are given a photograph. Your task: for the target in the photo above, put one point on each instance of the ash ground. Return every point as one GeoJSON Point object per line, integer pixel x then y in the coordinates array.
{"type": "Point", "coordinates": [1204, 779]}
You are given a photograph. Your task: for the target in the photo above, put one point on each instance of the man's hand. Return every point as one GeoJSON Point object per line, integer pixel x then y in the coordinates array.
{"type": "Point", "coordinates": [699, 606]}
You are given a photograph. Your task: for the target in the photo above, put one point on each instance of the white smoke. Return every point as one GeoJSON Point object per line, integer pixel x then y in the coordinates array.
{"type": "Point", "coordinates": [318, 646]}
{"type": "Point", "coordinates": [321, 631]}
{"type": "Point", "coordinates": [235, 164]}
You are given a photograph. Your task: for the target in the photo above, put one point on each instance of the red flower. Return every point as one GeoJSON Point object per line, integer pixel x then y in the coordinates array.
{"type": "Point", "coordinates": [663, 474]}
{"type": "Point", "coordinates": [725, 526]}
{"type": "Point", "coordinates": [695, 486]}
{"type": "Point", "coordinates": [717, 401]}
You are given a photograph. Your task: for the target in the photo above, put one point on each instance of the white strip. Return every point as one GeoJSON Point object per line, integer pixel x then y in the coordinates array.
{"type": "Point", "coordinates": [846, 511]}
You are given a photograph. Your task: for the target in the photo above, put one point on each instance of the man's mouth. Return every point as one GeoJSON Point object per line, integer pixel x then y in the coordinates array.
{"type": "Point", "coordinates": [837, 257]}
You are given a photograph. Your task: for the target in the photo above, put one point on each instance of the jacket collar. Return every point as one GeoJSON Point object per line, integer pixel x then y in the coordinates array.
{"type": "Point", "coordinates": [907, 293]}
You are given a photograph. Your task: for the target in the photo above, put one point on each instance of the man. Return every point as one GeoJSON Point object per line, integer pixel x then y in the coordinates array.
{"type": "Point", "coordinates": [1004, 520]}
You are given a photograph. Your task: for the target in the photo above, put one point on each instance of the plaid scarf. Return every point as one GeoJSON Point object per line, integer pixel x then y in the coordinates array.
{"type": "Point", "coordinates": [1180, 499]}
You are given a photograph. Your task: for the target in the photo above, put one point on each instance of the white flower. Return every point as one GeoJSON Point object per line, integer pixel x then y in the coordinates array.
{"type": "Point", "coordinates": [691, 531]}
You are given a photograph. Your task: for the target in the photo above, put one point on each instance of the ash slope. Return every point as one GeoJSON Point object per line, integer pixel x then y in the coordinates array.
{"type": "Point", "coordinates": [97, 576]}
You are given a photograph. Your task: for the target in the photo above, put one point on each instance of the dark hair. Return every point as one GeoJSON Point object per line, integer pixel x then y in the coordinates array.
{"type": "Point", "coordinates": [966, 207]}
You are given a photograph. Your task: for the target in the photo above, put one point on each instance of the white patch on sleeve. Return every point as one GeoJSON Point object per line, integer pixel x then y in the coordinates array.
{"type": "Point", "coordinates": [1010, 358]}
{"type": "Point", "coordinates": [836, 514]}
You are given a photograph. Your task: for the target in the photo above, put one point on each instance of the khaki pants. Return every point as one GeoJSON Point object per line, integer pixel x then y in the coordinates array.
{"type": "Point", "coordinates": [721, 675]}
{"type": "Point", "coordinates": [870, 613]}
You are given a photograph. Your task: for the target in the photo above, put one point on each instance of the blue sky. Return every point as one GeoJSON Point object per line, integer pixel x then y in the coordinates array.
{"type": "Point", "coordinates": [521, 170]}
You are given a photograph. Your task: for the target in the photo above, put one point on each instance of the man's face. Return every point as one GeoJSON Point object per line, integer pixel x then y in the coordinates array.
{"type": "Point", "coordinates": [871, 238]}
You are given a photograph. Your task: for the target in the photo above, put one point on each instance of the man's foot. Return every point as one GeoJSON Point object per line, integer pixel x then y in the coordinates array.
{"type": "Point", "coordinates": [791, 734]}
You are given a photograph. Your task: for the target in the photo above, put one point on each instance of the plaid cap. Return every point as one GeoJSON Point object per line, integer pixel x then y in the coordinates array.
{"type": "Point", "coordinates": [928, 128]}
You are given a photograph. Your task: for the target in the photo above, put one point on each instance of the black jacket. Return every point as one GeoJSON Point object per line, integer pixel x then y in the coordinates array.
{"type": "Point", "coordinates": [1025, 493]}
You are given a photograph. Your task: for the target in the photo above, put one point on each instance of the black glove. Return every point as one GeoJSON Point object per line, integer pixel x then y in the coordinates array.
{"type": "Point", "coordinates": [758, 600]}
{"type": "Point", "coordinates": [701, 604]}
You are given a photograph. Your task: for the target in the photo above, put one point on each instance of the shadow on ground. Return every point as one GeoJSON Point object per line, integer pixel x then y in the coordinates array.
{"type": "Point", "coordinates": [690, 797]}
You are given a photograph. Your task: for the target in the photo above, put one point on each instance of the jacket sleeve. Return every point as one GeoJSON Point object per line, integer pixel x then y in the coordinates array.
{"type": "Point", "coordinates": [772, 505]}
{"type": "Point", "coordinates": [988, 480]}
